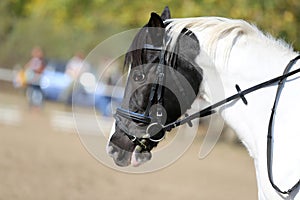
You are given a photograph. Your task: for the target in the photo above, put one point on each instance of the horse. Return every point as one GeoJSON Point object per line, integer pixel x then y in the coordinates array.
{"type": "Point", "coordinates": [170, 63]}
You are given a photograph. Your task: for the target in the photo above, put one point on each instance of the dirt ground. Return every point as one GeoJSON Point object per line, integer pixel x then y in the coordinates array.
{"type": "Point", "coordinates": [38, 162]}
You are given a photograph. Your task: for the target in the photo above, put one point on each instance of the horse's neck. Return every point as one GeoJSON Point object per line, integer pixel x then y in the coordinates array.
{"type": "Point", "coordinates": [250, 63]}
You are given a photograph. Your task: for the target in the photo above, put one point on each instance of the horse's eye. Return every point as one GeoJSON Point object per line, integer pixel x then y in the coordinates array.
{"type": "Point", "coordinates": [138, 75]}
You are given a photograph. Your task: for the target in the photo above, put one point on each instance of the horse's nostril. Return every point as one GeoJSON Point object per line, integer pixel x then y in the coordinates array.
{"type": "Point", "coordinates": [141, 124]}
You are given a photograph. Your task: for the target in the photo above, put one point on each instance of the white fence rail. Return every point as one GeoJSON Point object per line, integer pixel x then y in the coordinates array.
{"type": "Point", "coordinates": [6, 75]}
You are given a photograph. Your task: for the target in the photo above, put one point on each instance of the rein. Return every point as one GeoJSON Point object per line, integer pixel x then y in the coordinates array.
{"type": "Point", "coordinates": [270, 130]}
{"type": "Point", "coordinates": [155, 130]}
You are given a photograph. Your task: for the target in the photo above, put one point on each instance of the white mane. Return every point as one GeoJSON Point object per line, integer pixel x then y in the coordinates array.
{"type": "Point", "coordinates": [217, 29]}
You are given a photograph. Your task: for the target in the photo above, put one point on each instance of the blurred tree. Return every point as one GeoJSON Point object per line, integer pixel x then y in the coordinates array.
{"type": "Point", "coordinates": [63, 27]}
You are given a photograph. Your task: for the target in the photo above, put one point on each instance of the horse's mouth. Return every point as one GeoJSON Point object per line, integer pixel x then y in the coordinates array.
{"type": "Point", "coordinates": [138, 158]}
{"type": "Point", "coordinates": [124, 152]}
{"type": "Point", "coordinates": [123, 158]}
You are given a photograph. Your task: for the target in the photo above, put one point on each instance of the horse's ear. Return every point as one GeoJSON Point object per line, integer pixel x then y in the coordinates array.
{"type": "Point", "coordinates": [166, 14]}
{"type": "Point", "coordinates": [156, 29]}
{"type": "Point", "coordinates": [155, 21]}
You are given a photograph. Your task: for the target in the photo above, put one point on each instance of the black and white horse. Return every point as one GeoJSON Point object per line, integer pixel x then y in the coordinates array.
{"type": "Point", "coordinates": [170, 62]}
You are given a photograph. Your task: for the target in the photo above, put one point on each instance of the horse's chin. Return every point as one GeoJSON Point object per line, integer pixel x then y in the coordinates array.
{"type": "Point", "coordinates": [138, 158]}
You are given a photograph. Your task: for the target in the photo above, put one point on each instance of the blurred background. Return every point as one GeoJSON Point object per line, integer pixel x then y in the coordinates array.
{"type": "Point", "coordinates": [62, 27]}
{"type": "Point", "coordinates": [42, 43]}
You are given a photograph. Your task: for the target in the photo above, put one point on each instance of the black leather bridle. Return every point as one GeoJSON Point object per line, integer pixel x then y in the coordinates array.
{"type": "Point", "coordinates": [155, 130]}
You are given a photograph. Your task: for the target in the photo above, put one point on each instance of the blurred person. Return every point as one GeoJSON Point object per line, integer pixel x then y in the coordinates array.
{"type": "Point", "coordinates": [33, 70]}
{"type": "Point", "coordinates": [19, 80]}
{"type": "Point", "coordinates": [74, 68]}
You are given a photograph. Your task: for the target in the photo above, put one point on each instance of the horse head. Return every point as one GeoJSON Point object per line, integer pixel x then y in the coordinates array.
{"type": "Point", "coordinates": [163, 81]}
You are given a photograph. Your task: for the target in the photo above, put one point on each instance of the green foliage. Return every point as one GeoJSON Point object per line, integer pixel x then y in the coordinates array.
{"type": "Point", "coordinates": [62, 27]}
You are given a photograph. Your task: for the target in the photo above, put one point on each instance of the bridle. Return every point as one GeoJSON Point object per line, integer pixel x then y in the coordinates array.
{"type": "Point", "coordinates": [155, 130]}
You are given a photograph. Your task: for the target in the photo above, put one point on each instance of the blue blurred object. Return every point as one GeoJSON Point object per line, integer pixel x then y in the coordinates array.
{"type": "Point", "coordinates": [54, 82]}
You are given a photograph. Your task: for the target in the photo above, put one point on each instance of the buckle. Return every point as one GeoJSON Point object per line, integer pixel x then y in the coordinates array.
{"type": "Point", "coordinates": [155, 132]}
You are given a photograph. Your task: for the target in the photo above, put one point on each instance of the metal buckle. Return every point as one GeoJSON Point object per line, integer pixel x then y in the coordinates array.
{"type": "Point", "coordinates": [155, 132]}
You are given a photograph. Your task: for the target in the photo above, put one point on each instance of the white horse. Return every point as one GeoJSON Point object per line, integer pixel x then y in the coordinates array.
{"type": "Point", "coordinates": [241, 54]}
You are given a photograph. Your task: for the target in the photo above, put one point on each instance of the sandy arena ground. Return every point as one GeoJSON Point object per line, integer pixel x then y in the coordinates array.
{"type": "Point", "coordinates": [38, 162]}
